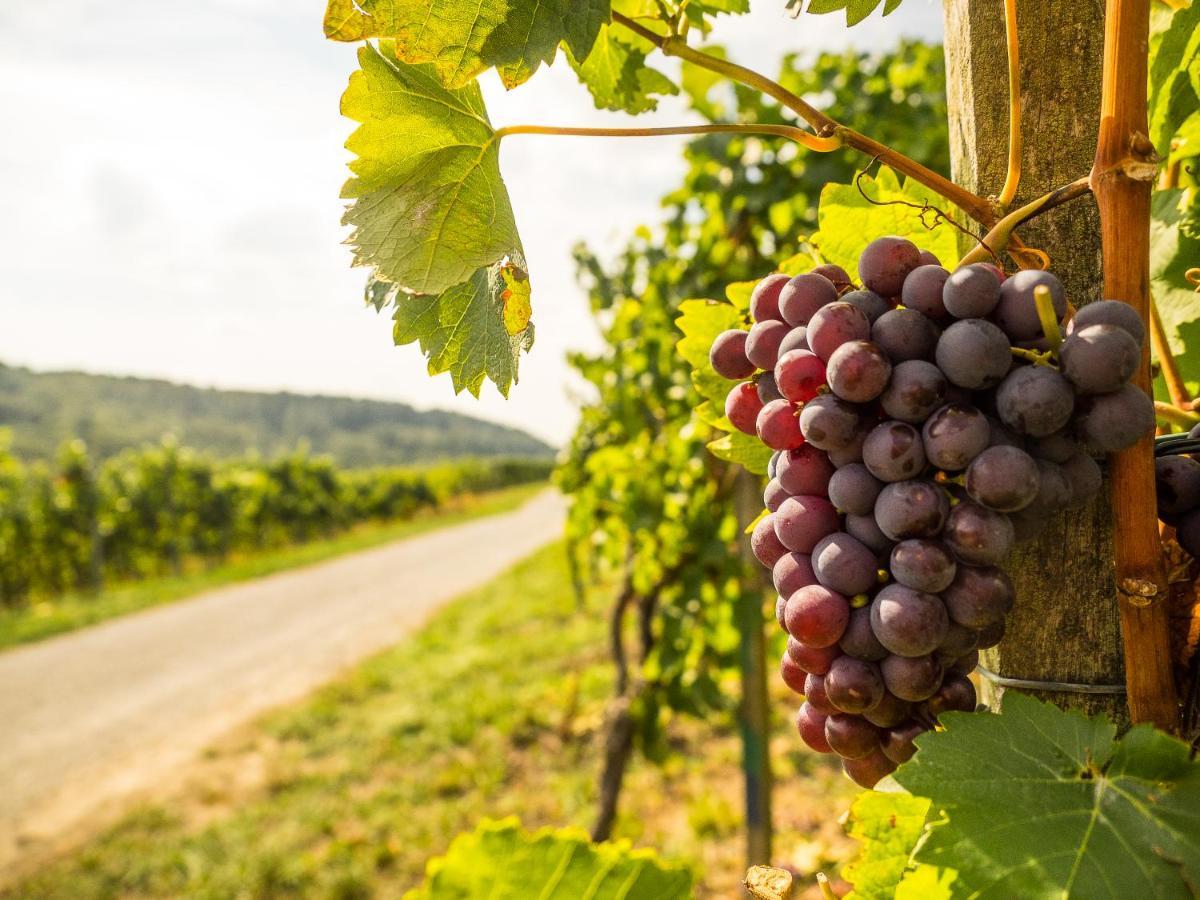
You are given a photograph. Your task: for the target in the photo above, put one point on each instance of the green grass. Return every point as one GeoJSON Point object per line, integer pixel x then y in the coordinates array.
{"type": "Point", "coordinates": [494, 708]}
{"type": "Point", "coordinates": [45, 618]}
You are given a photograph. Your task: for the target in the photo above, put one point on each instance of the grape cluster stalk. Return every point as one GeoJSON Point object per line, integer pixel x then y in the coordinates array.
{"type": "Point", "coordinates": [922, 423]}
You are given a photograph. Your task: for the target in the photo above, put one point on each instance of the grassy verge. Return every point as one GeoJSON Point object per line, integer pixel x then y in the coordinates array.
{"type": "Point", "coordinates": [43, 619]}
{"type": "Point", "coordinates": [494, 708]}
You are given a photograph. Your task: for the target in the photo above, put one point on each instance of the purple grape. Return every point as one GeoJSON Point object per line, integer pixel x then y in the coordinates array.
{"type": "Point", "coordinates": [966, 663]}
{"type": "Point", "coordinates": [853, 685]}
{"type": "Point", "coordinates": [889, 711]}
{"type": "Point", "coordinates": [799, 375]}
{"type": "Point", "coordinates": [977, 535]}
{"type": "Point", "coordinates": [814, 660]}
{"type": "Point", "coordinates": [791, 572]}
{"type": "Point", "coordinates": [816, 616]}
{"type": "Point", "coordinates": [958, 642]}
{"type": "Point", "coordinates": [979, 597]}
{"type": "Point", "coordinates": [898, 742]}
{"type": "Point", "coordinates": [764, 543]}
{"type": "Point", "coordinates": [828, 423]}
{"type": "Point", "coordinates": [955, 694]}
{"type": "Point", "coordinates": [911, 509]}
{"type": "Point", "coordinates": [871, 304]}
{"type": "Point", "coordinates": [1016, 313]}
{"type": "Point", "coordinates": [845, 565]}
{"type": "Point", "coordinates": [852, 451]}
{"type": "Point", "coordinates": [728, 355]}
{"type": "Point", "coordinates": [1108, 423]}
{"type": "Point", "coordinates": [867, 771]}
{"type": "Point", "coordinates": [834, 325]}
{"type": "Point", "coordinates": [774, 495]}
{"type": "Point", "coordinates": [859, 639]}
{"type": "Point", "coordinates": [955, 435]}
{"type": "Point", "coordinates": [816, 696]}
{"type": "Point", "coordinates": [923, 565]}
{"type": "Point", "coordinates": [764, 300]}
{"type": "Point", "coordinates": [1003, 436]}
{"type": "Point", "coordinates": [773, 462]}
{"type": "Point", "coordinates": [1084, 477]}
{"type": "Point", "coordinates": [974, 354]}
{"type": "Point", "coordinates": [908, 622]}
{"type": "Point", "coordinates": [905, 334]}
{"type": "Point", "coordinates": [922, 291]}
{"type": "Point", "coordinates": [853, 489]}
{"type": "Point", "coordinates": [1109, 312]}
{"type": "Point", "coordinates": [780, 606]}
{"type": "Point", "coordinates": [811, 725]}
{"type": "Point", "coordinates": [1054, 490]}
{"type": "Point", "coordinates": [1057, 447]}
{"type": "Point", "coordinates": [836, 274]}
{"type": "Point", "coordinates": [1035, 400]}
{"type": "Point", "coordinates": [803, 295]}
{"type": "Point", "coordinates": [916, 389]}
{"type": "Point", "coordinates": [1177, 484]}
{"type": "Point", "coordinates": [886, 262]}
{"type": "Point", "coordinates": [762, 343]}
{"type": "Point", "coordinates": [893, 451]}
{"type": "Point", "coordinates": [971, 292]}
{"type": "Point", "coordinates": [805, 470]}
{"type": "Point", "coordinates": [858, 371]}
{"type": "Point", "coordinates": [912, 678]}
{"type": "Point", "coordinates": [742, 407]}
{"type": "Point", "coordinates": [792, 674]}
{"type": "Point", "coordinates": [1099, 359]}
{"type": "Point", "coordinates": [778, 427]}
{"type": "Point", "coordinates": [766, 388]}
{"type": "Point", "coordinates": [796, 339]}
{"type": "Point", "coordinates": [868, 532]}
{"type": "Point", "coordinates": [801, 522]}
{"type": "Point", "coordinates": [1003, 478]}
{"type": "Point", "coordinates": [851, 736]}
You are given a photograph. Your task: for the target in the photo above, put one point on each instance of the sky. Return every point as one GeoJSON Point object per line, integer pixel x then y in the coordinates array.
{"type": "Point", "coordinates": [169, 178]}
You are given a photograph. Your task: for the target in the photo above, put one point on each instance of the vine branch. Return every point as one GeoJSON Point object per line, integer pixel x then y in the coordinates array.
{"type": "Point", "coordinates": [1001, 234]}
{"type": "Point", "coordinates": [800, 135]}
{"type": "Point", "coordinates": [1012, 177]}
{"type": "Point", "coordinates": [1166, 359]}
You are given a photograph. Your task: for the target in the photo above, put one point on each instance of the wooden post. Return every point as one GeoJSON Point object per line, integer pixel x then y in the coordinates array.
{"type": "Point", "coordinates": [1122, 179]}
{"type": "Point", "coordinates": [753, 713]}
{"type": "Point", "coordinates": [1065, 626]}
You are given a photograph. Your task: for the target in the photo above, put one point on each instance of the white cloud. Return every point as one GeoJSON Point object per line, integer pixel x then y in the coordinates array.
{"type": "Point", "coordinates": [171, 175]}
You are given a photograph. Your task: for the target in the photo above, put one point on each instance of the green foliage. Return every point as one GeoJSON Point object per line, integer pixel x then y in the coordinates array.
{"type": "Point", "coordinates": [888, 827]}
{"type": "Point", "coordinates": [616, 74]}
{"type": "Point", "coordinates": [498, 860]}
{"type": "Point", "coordinates": [1173, 251]}
{"type": "Point", "coordinates": [856, 10]}
{"type": "Point", "coordinates": [43, 410]}
{"type": "Point", "coordinates": [1174, 84]}
{"type": "Point", "coordinates": [146, 512]}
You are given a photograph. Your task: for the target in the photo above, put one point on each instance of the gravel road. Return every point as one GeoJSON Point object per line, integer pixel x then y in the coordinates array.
{"type": "Point", "coordinates": [90, 719]}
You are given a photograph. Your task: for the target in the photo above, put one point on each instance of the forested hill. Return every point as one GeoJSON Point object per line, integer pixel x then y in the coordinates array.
{"type": "Point", "coordinates": [110, 413]}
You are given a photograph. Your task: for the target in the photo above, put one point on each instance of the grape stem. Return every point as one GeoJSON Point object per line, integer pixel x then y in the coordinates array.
{"type": "Point", "coordinates": [1046, 315]}
{"type": "Point", "coordinates": [978, 208]}
{"type": "Point", "coordinates": [997, 240]}
{"type": "Point", "coordinates": [800, 135]}
{"type": "Point", "coordinates": [1166, 359]}
{"type": "Point", "coordinates": [1012, 178]}
{"type": "Point", "coordinates": [1183, 418]}
{"type": "Point", "coordinates": [1033, 356]}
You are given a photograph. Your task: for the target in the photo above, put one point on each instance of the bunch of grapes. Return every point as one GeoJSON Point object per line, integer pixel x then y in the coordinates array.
{"type": "Point", "coordinates": [1177, 484]}
{"type": "Point", "coordinates": [921, 425]}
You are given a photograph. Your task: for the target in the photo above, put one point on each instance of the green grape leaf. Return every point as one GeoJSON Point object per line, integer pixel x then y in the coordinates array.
{"type": "Point", "coordinates": [463, 329]}
{"type": "Point", "coordinates": [1174, 84]}
{"type": "Point", "coordinates": [747, 451]}
{"type": "Point", "coordinates": [856, 10]}
{"type": "Point", "coordinates": [1045, 803]}
{"type": "Point", "coordinates": [616, 74]}
{"type": "Point", "coordinates": [430, 207]}
{"type": "Point", "coordinates": [701, 321]}
{"type": "Point", "coordinates": [462, 38]}
{"type": "Point", "coordinates": [888, 827]}
{"type": "Point", "coordinates": [849, 221]}
{"type": "Point", "coordinates": [499, 860]}
{"type": "Point", "coordinates": [1172, 252]}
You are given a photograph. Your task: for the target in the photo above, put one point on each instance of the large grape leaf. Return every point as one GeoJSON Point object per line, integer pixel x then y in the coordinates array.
{"type": "Point", "coordinates": [465, 330]}
{"type": "Point", "coordinates": [887, 827]}
{"type": "Point", "coordinates": [430, 207]}
{"type": "Point", "coordinates": [856, 10]}
{"type": "Point", "coordinates": [1045, 803]}
{"type": "Point", "coordinates": [1175, 248]}
{"type": "Point", "coordinates": [849, 221]}
{"type": "Point", "coordinates": [461, 38]}
{"type": "Point", "coordinates": [1174, 84]}
{"type": "Point", "coordinates": [499, 861]}
{"type": "Point", "coordinates": [747, 451]}
{"type": "Point", "coordinates": [616, 74]}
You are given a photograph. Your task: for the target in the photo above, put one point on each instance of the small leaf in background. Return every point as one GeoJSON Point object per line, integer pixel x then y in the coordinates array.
{"type": "Point", "coordinates": [463, 330]}
{"type": "Point", "coordinates": [429, 205]}
{"type": "Point", "coordinates": [1045, 803]}
{"type": "Point", "coordinates": [849, 221]}
{"type": "Point", "coordinates": [462, 38]}
{"type": "Point", "coordinates": [515, 297]}
{"type": "Point", "coordinates": [888, 826]}
{"type": "Point", "coordinates": [616, 74]}
{"type": "Point", "coordinates": [856, 10]}
{"type": "Point", "coordinates": [748, 452]}
{"type": "Point", "coordinates": [499, 860]}
{"type": "Point", "coordinates": [1172, 253]}
{"type": "Point", "coordinates": [1174, 84]}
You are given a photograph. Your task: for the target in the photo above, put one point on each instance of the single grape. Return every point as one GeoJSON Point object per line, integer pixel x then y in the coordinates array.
{"type": "Point", "coordinates": [908, 622]}
{"type": "Point", "coordinates": [859, 639]}
{"type": "Point", "coordinates": [911, 509]}
{"type": "Point", "coordinates": [853, 685]}
{"type": "Point", "coordinates": [792, 674]}
{"type": "Point", "coordinates": [1003, 436]}
{"type": "Point", "coordinates": [923, 565]}
{"type": "Point", "coordinates": [966, 663]}
{"type": "Point", "coordinates": [791, 572]}
{"type": "Point", "coordinates": [956, 693]}
{"type": "Point", "coordinates": [886, 262]}
{"type": "Point", "coordinates": [780, 606]}
{"type": "Point", "coordinates": [1109, 312]}
{"type": "Point", "coordinates": [868, 532]}
{"type": "Point", "coordinates": [1054, 491]}
{"type": "Point", "coordinates": [928, 258]}
{"type": "Point", "coordinates": [773, 462]}
{"type": "Point", "coordinates": [799, 374]}
{"type": "Point", "coordinates": [851, 736]}
{"type": "Point", "coordinates": [766, 388]}
{"type": "Point", "coordinates": [851, 452]}
{"type": "Point", "coordinates": [834, 325]}
{"type": "Point", "coordinates": [1016, 313]}
{"type": "Point", "coordinates": [811, 725]}
{"type": "Point", "coordinates": [1003, 478]}
{"type": "Point", "coordinates": [817, 616]}
{"type": "Point", "coordinates": [978, 597]}
{"type": "Point", "coordinates": [803, 295]}
{"type": "Point", "coordinates": [955, 435]}
{"type": "Point", "coordinates": [801, 522]}
{"type": "Point", "coordinates": [858, 371]}
{"type": "Point", "coordinates": [1084, 476]}
{"type": "Point", "coordinates": [778, 427]}
{"type": "Point", "coordinates": [1099, 358]}
{"type": "Point", "coordinates": [898, 742]}
{"type": "Point", "coordinates": [814, 660]}
{"type": "Point", "coordinates": [829, 423]}
{"type": "Point", "coordinates": [764, 300]}
{"type": "Point", "coordinates": [728, 355]}
{"type": "Point", "coordinates": [1035, 400]}
{"type": "Point", "coordinates": [889, 711]}
{"type": "Point", "coordinates": [816, 696]}
{"type": "Point", "coordinates": [853, 489]}
{"type": "Point", "coordinates": [1111, 422]}
{"type": "Point", "coordinates": [765, 544]}
{"type": "Point", "coordinates": [834, 273]}
{"type": "Point", "coordinates": [871, 304]}
{"type": "Point", "coordinates": [796, 339]}
{"type": "Point", "coordinates": [893, 451]}
{"type": "Point", "coordinates": [905, 334]}
{"type": "Point", "coordinates": [1057, 447]}
{"type": "Point", "coordinates": [912, 678]}
{"type": "Point", "coordinates": [974, 354]}
{"type": "Point", "coordinates": [1188, 533]}
{"type": "Point", "coordinates": [916, 389]}
{"type": "Point", "coordinates": [977, 535]}
{"type": "Point", "coordinates": [844, 564]}
{"type": "Point", "coordinates": [958, 642]}
{"type": "Point", "coordinates": [1177, 484]}
{"type": "Point", "coordinates": [774, 495]}
{"type": "Point", "coordinates": [867, 771]}
{"type": "Point", "coordinates": [805, 470]}
{"type": "Point", "coordinates": [742, 407]}
{"type": "Point", "coordinates": [971, 292]}
{"type": "Point", "coordinates": [762, 343]}
{"type": "Point", "coordinates": [922, 291]}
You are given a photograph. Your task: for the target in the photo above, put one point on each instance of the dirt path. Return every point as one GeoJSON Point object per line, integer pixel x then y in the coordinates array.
{"type": "Point", "coordinates": [90, 720]}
